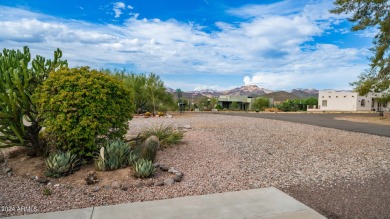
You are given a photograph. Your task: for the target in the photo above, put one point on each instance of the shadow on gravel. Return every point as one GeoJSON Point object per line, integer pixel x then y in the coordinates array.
{"type": "Point", "coordinates": [345, 199]}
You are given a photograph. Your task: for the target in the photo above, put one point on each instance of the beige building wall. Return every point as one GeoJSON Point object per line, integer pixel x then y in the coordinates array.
{"type": "Point", "coordinates": [331, 100]}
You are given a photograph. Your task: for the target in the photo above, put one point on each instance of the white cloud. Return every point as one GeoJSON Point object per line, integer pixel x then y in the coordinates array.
{"type": "Point", "coordinates": [274, 49]}
{"type": "Point", "coordinates": [119, 7]}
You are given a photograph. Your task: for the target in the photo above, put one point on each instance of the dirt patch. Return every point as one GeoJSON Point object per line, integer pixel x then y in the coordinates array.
{"type": "Point", "coordinates": [366, 119]}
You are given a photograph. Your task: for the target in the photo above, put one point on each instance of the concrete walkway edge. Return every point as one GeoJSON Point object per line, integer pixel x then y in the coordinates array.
{"type": "Point", "coordinates": [267, 203]}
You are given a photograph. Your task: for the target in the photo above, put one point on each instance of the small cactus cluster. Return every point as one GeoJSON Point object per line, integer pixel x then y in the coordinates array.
{"type": "Point", "coordinates": [61, 164]}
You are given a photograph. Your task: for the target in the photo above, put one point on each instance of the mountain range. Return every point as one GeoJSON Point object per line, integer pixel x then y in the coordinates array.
{"type": "Point", "coordinates": [251, 90]}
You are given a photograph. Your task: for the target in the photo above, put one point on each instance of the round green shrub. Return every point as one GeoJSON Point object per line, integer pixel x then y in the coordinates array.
{"type": "Point", "coordinates": [83, 107]}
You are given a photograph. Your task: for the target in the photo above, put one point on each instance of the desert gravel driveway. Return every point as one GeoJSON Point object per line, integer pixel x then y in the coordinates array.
{"type": "Point", "coordinates": [324, 120]}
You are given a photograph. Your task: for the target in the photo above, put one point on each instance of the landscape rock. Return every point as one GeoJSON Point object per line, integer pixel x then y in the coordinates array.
{"type": "Point", "coordinates": [177, 178]}
{"type": "Point", "coordinates": [149, 183]}
{"type": "Point", "coordinates": [7, 170]}
{"type": "Point", "coordinates": [169, 182]}
{"type": "Point", "coordinates": [95, 189]}
{"type": "Point", "coordinates": [49, 183]}
{"type": "Point", "coordinates": [125, 188]}
{"type": "Point", "coordinates": [139, 184]}
{"type": "Point", "coordinates": [171, 170]}
{"type": "Point", "coordinates": [164, 168]}
{"type": "Point", "coordinates": [156, 165]}
{"type": "Point", "coordinates": [57, 185]}
{"type": "Point", "coordinates": [42, 180]}
{"type": "Point", "coordinates": [115, 185]}
{"type": "Point", "coordinates": [179, 174]}
{"type": "Point", "coordinates": [159, 183]}
{"type": "Point", "coordinates": [9, 174]}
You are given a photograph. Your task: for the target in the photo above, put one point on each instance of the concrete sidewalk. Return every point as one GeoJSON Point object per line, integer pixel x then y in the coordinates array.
{"type": "Point", "coordinates": [269, 203]}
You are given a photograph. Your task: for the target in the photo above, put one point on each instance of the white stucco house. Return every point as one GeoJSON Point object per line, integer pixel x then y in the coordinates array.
{"type": "Point", "coordinates": [331, 100]}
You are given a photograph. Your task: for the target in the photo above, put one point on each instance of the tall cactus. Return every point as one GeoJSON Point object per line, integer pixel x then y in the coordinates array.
{"type": "Point", "coordinates": [19, 119]}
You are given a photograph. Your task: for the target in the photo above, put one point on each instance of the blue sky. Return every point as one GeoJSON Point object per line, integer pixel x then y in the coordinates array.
{"type": "Point", "coordinates": [196, 44]}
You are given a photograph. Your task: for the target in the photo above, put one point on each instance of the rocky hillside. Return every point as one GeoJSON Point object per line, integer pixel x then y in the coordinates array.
{"type": "Point", "coordinates": [251, 90]}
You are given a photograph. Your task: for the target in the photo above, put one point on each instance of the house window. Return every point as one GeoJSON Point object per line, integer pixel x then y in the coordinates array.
{"type": "Point", "coordinates": [324, 103]}
{"type": "Point", "coordinates": [363, 103]}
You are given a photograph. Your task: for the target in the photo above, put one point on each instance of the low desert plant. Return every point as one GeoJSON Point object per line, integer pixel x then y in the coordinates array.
{"type": "Point", "coordinates": [62, 164]}
{"type": "Point", "coordinates": [46, 191]}
{"type": "Point", "coordinates": [143, 168]}
{"type": "Point", "coordinates": [114, 155]}
{"type": "Point", "coordinates": [148, 114]}
{"type": "Point", "coordinates": [160, 114]}
{"type": "Point", "coordinates": [167, 135]}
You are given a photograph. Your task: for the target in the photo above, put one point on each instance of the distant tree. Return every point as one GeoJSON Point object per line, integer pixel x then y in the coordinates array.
{"type": "Point", "coordinates": [213, 102]}
{"type": "Point", "coordinates": [148, 91]}
{"type": "Point", "coordinates": [366, 14]}
{"type": "Point", "coordinates": [261, 103]}
{"type": "Point", "coordinates": [312, 101]}
{"type": "Point", "coordinates": [289, 106]}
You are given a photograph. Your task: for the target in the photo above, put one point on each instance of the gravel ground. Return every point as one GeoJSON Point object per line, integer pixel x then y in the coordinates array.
{"type": "Point", "coordinates": [338, 173]}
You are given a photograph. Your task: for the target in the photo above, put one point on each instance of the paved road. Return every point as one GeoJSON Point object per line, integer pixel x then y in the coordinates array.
{"type": "Point", "coordinates": [324, 120]}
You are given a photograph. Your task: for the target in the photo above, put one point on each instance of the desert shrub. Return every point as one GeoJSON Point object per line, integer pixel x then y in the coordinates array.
{"type": "Point", "coordinates": [148, 114]}
{"type": "Point", "coordinates": [62, 164]}
{"type": "Point", "coordinates": [160, 114]}
{"type": "Point", "coordinates": [114, 155]}
{"type": "Point", "coordinates": [143, 168]}
{"type": "Point", "coordinates": [83, 107]}
{"type": "Point", "coordinates": [272, 109]}
{"type": "Point", "coordinates": [261, 103]}
{"type": "Point", "coordinates": [46, 191]}
{"type": "Point", "coordinates": [218, 107]}
{"type": "Point", "coordinates": [167, 135]}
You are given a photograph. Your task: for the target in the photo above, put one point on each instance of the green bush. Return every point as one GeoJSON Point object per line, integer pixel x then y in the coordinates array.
{"type": "Point", "coordinates": [62, 164]}
{"type": "Point", "coordinates": [218, 107]}
{"type": "Point", "coordinates": [167, 135]}
{"type": "Point", "coordinates": [114, 155]}
{"type": "Point", "coordinates": [261, 103]}
{"type": "Point", "coordinates": [143, 168]}
{"type": "Point", "coordinates": [84, 107]}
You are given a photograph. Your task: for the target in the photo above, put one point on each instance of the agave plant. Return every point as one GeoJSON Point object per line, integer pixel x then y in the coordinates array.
{"type": "Point", "coordinates": [61, 164]}
{"type": "Point", "coordinates": [143, 168]}
{"type": "Point", "coordinates": [113, 156]}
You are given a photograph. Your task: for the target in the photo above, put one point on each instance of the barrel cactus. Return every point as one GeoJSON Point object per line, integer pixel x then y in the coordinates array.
{"type": "Point", "coordinates": [150, 147]}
